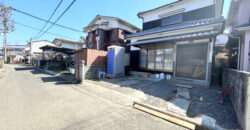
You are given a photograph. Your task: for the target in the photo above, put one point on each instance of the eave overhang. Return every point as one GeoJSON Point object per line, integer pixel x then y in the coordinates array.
{"type": "Point", "coordinates": [197, 25]}
{"type": "Point", "coordinates": [188, 36]}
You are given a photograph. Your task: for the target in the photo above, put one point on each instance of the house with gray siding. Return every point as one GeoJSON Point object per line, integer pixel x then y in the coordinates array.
{"type": "Point", "coordinates": [178, 39]}
{"type": "Point", "coordinates": [238, 22]}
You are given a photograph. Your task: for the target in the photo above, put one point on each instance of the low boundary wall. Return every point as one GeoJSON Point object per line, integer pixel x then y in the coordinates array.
{"type": "Point", "coordinates": [239, 95]}
{"type": "Point", "coordinates": [89, 62]}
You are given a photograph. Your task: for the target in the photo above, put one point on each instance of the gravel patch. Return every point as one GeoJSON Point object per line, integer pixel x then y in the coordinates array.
{"type": "Point", "coordinates": [206, 102]}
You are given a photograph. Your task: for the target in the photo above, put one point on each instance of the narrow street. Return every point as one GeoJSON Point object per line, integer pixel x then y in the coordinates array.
{"type": "Point", "coordinates": [30, 99]}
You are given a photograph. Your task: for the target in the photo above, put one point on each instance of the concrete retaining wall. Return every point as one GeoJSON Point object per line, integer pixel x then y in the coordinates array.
{"type": "Point", "coordinates": [92, 72]}
{"type": "Point", "coordinates": [83, 72]}
{"type": "Point", "coordinates": [239, 95]}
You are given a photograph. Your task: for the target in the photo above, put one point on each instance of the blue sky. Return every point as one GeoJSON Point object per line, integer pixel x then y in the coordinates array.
{"type": "Point", "coordinates": [77, 17]}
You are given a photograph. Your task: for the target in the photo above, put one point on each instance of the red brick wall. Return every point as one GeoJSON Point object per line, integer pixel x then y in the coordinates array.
{"type": "Point", "coordinates": [91, 57]}
{"type": "Point", "coordinates": [80, 55]}
{"type": "Point", "coordinates": [96, 57]}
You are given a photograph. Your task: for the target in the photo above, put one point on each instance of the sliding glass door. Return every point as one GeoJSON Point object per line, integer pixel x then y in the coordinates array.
{"type": "Point", "coordinates": [159, 59]}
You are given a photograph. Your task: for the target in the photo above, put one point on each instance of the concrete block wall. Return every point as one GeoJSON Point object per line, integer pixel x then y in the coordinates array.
{"type": "Point", "coordinates": [239, 95]}
{"type": "Point", "coordinates": [92, 72]}
{"type": "Point", "coordinates": [83, 72]}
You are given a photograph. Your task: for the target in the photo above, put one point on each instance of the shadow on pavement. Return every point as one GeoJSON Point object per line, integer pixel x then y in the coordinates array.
{"type": "Point", "coordinates": [23, 69]}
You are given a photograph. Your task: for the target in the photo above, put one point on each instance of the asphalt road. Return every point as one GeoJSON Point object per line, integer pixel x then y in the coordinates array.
{"type": "Point", "coordinates": [30, 99]}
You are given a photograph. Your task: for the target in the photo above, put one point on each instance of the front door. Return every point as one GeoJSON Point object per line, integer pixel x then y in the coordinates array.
{"type": "Point", "coordinates": [191, 61]}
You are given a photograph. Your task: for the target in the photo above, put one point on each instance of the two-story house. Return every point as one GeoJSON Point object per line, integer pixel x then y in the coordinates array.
{"type": "Point", "coordinates": [33, 51]}
{"type": "Point", "coordinates": [178, 38]}
{"type": "Point", "coordinates": [104, 31]}
{"type": "Point", "coordinates": [64, 43]}
{"type": "Point", "coordinates": [238, 22]}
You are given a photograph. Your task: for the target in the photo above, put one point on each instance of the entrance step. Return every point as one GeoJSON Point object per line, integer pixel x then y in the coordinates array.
{"type": "Point", "coordinates": [183, 93]}
{"type": "Point", "coordinates": [179, 106]}
{"type": "Point", "coordinates": [188, 83]}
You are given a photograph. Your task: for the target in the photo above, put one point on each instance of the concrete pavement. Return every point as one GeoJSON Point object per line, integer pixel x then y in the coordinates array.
{"type": "Point", "coordinates": [30, 99]}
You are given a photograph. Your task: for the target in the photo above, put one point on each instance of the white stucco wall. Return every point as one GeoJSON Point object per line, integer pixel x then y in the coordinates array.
{"type": "Point", "coordinates": [110, 23]}
{"type": "Point", "coordinates": [35, 46]}
{"type": "Point", "coordinates": [69, 45]}
{"type": "Point", "coordinates": [242, 15]}
{"type": "Point", "coordinates": [188, 5]}
{"type": "Point", "coordinates": [246, 65]}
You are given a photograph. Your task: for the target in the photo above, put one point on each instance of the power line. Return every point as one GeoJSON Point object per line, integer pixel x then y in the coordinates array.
{"type": "Point", "coordinates": [44, 20]}
{"type": "Point", "coordinates": [49, 18]}
{"type": "Point", "coordinates": [58, 18]}
{"type": "Point", "coordinates": [43, 31]}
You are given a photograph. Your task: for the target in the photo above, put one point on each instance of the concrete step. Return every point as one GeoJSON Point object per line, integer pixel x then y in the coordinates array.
{"type": "Point", "coordinates": [188, 83]}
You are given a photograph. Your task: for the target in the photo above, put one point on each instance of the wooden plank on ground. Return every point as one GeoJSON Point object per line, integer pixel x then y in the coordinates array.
{"type": "Point", "coordinates": [165, 116]}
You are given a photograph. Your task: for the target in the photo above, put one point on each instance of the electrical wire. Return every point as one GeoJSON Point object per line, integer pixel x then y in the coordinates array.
{"type": "Point", "coordinates": [58, 5]}
{"type": "Point", "coordinates": [41, 19]}
{"type": "Point", "coordinates": [58, 35]}
{"type": "Point", "coordinates": [57, 18]}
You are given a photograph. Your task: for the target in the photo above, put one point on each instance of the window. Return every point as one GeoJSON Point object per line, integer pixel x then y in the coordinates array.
{"type": "Point", "coordinates": [159, 58]}
{"type": "Point", "coordinates": [168, 59]}
{"type": "Point", "coordinates": [151, 58]}
{"type": "Point", "coordinates": [171, 20]}
{"type": "Point", "coordinates": [109, 35]}
{"type": "Point", "coordinates": [143, 58]}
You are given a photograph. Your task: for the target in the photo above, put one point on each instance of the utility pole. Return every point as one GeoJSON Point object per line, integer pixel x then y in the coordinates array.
{"type": "Point", "coordinates": [30, 57]}
{"type": "Point", "coordinates": [4, 39]}
{"type": "Point", "coordinates": [7, 24]}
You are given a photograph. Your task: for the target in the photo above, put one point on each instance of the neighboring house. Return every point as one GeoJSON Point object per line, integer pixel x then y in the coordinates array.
{"type": "Point", "coordinates": [14, 53]}
{"type": "Point", "coordinates": [33, 51]}
{"type": "Point", "coordinates": [178, 38]}
{"type": "Point", "coordinates": [239, 25]}
{"type": "Point", "coordinates": [64, 43]}
{"type": "Point", "coordinates": [104, 31]}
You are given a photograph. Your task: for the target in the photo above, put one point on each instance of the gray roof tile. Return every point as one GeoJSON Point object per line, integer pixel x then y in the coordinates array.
{"type": "Point", "coordinates": [188, 24]}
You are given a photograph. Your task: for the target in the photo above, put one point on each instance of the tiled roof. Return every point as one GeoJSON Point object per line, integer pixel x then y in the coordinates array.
{"type": "Point", "coordinates": [183, 25]}
{"type": "Point", "coordinates": [65, 40]}
{"type": "Point", "coordinates": [115, 18]}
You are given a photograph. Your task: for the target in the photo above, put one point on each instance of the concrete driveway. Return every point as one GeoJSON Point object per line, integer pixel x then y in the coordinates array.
{"type": "Point", "coordinates": [30, 99]}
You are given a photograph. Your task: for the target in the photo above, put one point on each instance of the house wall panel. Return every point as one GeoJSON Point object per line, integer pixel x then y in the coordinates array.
{"type": "Point", "coordinates": [187, 5]}
{"type": "Point", "coordinates": [203, 13]}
